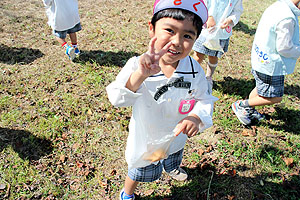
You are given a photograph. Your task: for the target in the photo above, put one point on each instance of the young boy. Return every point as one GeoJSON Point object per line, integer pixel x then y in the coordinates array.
{"type": "Point", "coordinates": [167, 89]}
{"type": "Point", "coordinates": [63, 17]}
{"type": "Point", "coordinates": [274, 54]}
{"type": "Point", "coordinates": [223, 16]}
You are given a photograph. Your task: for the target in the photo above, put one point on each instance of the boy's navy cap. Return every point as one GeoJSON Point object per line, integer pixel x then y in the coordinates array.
{"type": "Point", "coordinates": [196, 6]}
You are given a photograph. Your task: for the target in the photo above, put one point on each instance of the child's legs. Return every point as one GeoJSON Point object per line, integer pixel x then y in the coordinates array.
{"type": "Point", "coordinates": [60, 36]}
{"type": "Point", "coordinates": [199, 57]}
{"type": "Point", "coordinates": [73, 38]}
{"type": "Point", "coordinates": [61, 41]}
{"type": "Point", "coordinates": [149, 173]}
{"type": "Point", "coordinates": [173, 161]}
{"type": "Point", "coordinates": [256, 100]}
{"type": "Point", "coordinates": [130, 185]}
{"type": "Point", "coordinates": [268, 90]}
{"type": "Point", "coordinates": [72, 33]}
{"type": "Point", "coordinates": [211, 65]}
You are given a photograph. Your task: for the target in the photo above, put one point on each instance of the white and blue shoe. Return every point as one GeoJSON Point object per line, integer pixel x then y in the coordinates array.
{"type": "Point", "coordinates": [70, 51]}
{"type": "Point", "coordinates": [77, 52]}
{"type": "Point", "coordinates": [124, 196]}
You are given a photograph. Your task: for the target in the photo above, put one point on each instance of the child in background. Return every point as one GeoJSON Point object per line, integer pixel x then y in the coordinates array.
{"type": "Point", "coordinates": [168, 92]}
{"type": "Point", "coordinates": [63, 17]}
{"type": "Point", "coordinates": [275, 51]}
{"type": "Point", "coordinates": [223, 15]}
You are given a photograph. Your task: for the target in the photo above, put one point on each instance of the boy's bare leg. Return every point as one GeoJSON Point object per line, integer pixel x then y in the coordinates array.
{"type": "Point", "coordinates": [60, 40]}
{"type": "Point", "coordinates": [211, 66]}
{"type": "Point", "coordinates": [199, 57]}
{"type": "Point", "coordinates": [130, 185]}
{"type": "Point", "coordinates": [256, 100]}
{"type": "Point", "coordinates": [73, 38]}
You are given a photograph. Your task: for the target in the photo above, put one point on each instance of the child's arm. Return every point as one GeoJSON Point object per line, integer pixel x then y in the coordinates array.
{"type": "Point", "coordinates": [284, 40]}
{"type": "Point", "coordinates": [234, 16]}
{"type": "Point", "coordinates": [148, 65]}
{"type": "Point", "coordinates": [210, 22]}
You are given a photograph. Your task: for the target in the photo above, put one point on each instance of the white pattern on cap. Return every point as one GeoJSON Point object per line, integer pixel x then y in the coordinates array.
{"type": "Point", "coordinates": [196, 6]}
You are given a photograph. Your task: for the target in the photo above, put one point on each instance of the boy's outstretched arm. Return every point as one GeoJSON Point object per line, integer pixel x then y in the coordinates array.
{"type": "Point", "coordinates": [189, 125]}
{"type": "Point", "coordinates": [148, 65]}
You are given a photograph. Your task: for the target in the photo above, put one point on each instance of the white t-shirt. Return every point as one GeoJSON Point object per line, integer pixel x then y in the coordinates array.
{"type": "Point", "coordinates": [62, 14]}
{"type": "Point", "coordinates": [156, 111]}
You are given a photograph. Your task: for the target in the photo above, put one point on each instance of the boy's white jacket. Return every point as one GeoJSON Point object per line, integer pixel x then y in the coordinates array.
{"type": "Point", "coordinates": [150, 116]}
{"type": "Point", "coordinates": [62, 14]}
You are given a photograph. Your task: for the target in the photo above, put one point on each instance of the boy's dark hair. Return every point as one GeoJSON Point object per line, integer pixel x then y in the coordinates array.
{"type": "Point", "coordinates": [178, 14]}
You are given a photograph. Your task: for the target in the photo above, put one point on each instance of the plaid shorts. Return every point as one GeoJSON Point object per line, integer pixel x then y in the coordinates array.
{"type": "Point", "coordinates": [199, 47]}
{"type": "Point", "coordinates": [152, 172]}
{"type": "Point", "coordinates": [268, 86]}
{"type": "Point", "coordinates": [63, 34]}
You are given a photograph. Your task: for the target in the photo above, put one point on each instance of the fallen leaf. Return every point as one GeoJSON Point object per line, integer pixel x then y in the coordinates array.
{"type": "Point", "coordinates": [246, 132]}
{"type": "Point", "coordinates": [149, 192]}
{"type": "Point", "coordinates": [232, 172]}
{"type": "Point", "coordinates": [231, 197]}
{"type": "Point", "coordinates": [249, 132]}
{"type": "Point", "coordinates": [113, 172]}
{"type": "Point", "coordinates": [289, 161]}
{"type": "Point", "coordinates": [261, 183]}
{"type": "Point", "coordinates": [89, 112]}
{"type": "Point", "coordinates": [79, 164]}
{"type": "Point", "coordinates": [62, 158]}
{"type": "Point", "coordinates": [103, 184]}
{"type": "Point", "coordinates": [200, 152]}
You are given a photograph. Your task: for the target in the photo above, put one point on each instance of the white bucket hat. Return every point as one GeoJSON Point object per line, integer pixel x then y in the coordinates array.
{"type": "Point", "coordinates": [196, 6]}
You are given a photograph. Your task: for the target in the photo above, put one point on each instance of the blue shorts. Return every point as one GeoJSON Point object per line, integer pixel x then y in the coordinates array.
{"type": "Point", "coordinates": [198, 46]}
{"type": "Point", "coordinates": [268, 86]}
{"type": "Point", "coordinates": [63, 34]}
{"type": "Point", "coordinates": [152, 172]}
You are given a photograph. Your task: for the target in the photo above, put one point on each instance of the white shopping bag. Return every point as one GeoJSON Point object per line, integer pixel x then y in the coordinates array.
{"type": "Point", "coordinates": [156, 148]}
{"type": "Point", "coordinates": [212, 34]}
{"type": "Point", "coordinates": [212, 41]}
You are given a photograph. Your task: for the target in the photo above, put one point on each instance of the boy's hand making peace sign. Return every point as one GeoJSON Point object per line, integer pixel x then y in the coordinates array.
{"type": "Point", "coordinates": [148, 65]}
{"type": "Point", "coordinates": [149, 61]}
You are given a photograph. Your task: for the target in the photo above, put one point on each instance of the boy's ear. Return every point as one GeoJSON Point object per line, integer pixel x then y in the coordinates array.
{"type": "Point", "coordinates": [151, 29]}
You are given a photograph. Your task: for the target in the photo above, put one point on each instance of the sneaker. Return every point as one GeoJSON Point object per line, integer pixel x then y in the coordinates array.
{"type": "Point", "coordinates": [70, 51]}
{"type": "Point", "coordinates": [209, 84]}
{"type": "Point", "coordinates": [244, 114]}
{"type": "Point", "coordinates": [257, 115]}
{"type": "Point", "coordinates": [124, 196]}
{"type": "Point", "coordinates": [77, 52]}
{"type": "Point", "coordinates": [178, 174]}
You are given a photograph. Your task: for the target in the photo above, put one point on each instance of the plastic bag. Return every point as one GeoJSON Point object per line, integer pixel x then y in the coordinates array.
{"type": "Point", "coordinates": [158, 149]}
{"type": "Point", "coordinates": [212, 34]}
{"type": "Point", "coordinates": [212, 41]}
{"type": "Point", "coordinates": [155, 148]}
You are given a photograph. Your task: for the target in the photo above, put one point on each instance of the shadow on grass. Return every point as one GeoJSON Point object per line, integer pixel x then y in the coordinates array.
{"type": "Point", "coordinates": [28, 146]}
{"type": "Point", "coordinates": [290, 119]}
{"type": "Point", "coordinates": [243, 87]}
{"type": "Point", "coordinates": [233, 86]}
{"type": "Point", "coordinates": [13, 55]}
{"type": "Point", "coordinates": [244, 28]}
{"type": "Point", "coordinates": [105, 58]}
{"type": "Point", "coordinates": [204, 182]}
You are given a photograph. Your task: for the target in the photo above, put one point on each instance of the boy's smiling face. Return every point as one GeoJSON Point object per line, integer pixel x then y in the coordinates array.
{"type": "Point", "coordinates": [182, 34]}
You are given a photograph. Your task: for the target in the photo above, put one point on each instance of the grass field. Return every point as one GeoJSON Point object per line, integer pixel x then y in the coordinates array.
{"type": "Point", "coordinates": [60, 138]}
